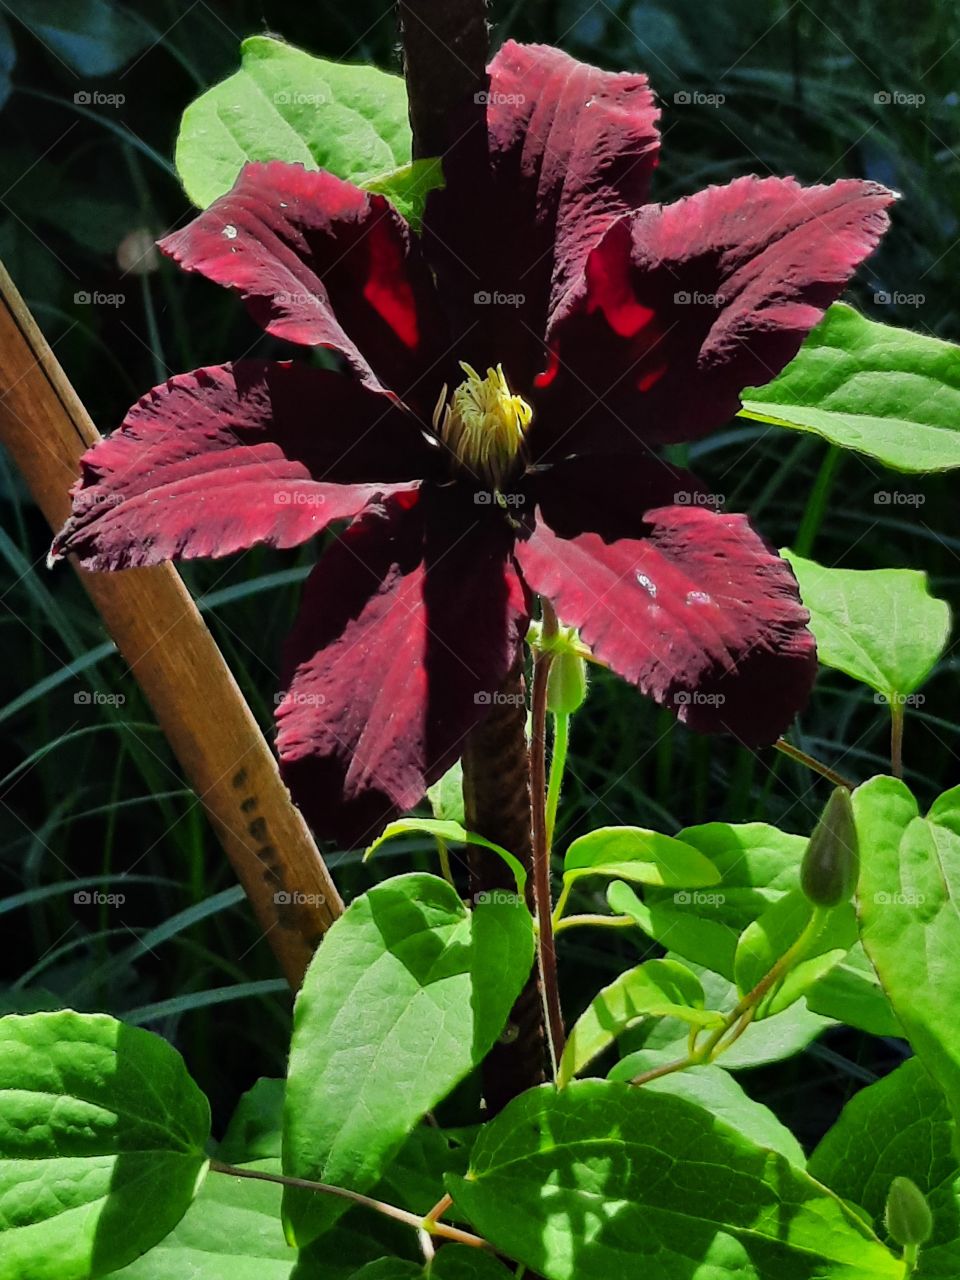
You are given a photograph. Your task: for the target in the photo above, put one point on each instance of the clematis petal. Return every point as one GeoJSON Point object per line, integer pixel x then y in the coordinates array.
{"type": "Point", "coordinates": [321, 263]}
{"type": "Point", "coordinates": [682, 306]}
{"type": "Point", "coordinates": [217, 460]}
{"type": "Point", "coordinates": [409, 624]}
{"type": "Point", "coordinates": [700, 614]}
{"type": "Point", "coordinates": [571, 148]}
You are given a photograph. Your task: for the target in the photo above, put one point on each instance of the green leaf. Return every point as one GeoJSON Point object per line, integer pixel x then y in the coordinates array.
{"type": "Point", "coordinates": [656, 989]}
{"type": "Point", "coordinates": [756, 863]}
{"type": "Point", "coordinates": [458, 1262]}
{"type": "Point", "coordinates": [909, 904]}
{"type": "Point", "coordinates": [670, 922]}
{"type": "Point", "coordinates": [93, 37]}
{"type": "Point", "coordinates": [771, 1040]}
{"type": "Point", "coordinates": [851, 992]}
{"type": "Point", "coordinates": [102, 1144]}
{"type": "Point", "coordinates": [255, 1131]}
{"type": "Point", "coordinates": [715, 1089]}
{"type": "Point", "coordinates": [899, 1127]}
{"type": "Point", "coordinates": [284, 104]}
{"type": "Point", "coordinates": [634, 853]}
{"type": "Point", "coordinates": [769, 938]}
{"type": "Point", "coordinates": [889, 393]}
{"type": "Point", "coordinates": [407, 994]}
{"type": "Point", "coordinates": [446, 796]}
{"type": "Point", "coordinates": [388, 1269]}
{"type": "Point", "coordinates": [880, 626]}
{"type": "Point", "coordinates": [449, 832]}
{"type": "Point", "coordinates": [602, 1179]}
{"type": "Point", "coordinates": [409, 186]}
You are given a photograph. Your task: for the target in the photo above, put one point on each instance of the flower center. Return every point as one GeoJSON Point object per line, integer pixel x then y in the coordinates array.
{"type": "Point", "coordinates": [484, 424]}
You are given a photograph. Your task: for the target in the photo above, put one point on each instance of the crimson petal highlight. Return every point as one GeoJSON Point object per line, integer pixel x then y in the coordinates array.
{"type": "Point", "coordinates": [218, 460]}
{"type": "Point", "coordinates": [700, 614]}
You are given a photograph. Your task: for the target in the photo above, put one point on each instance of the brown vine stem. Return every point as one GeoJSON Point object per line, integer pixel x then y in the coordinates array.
{"type": "Point", "coordinates": [794, 753]}
{"type": "Point", "coordinates": [430, 1225]}
{"type": "Point", "coordinates": [445, 48]}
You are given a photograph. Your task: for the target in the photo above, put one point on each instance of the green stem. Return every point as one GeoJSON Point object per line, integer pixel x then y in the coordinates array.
{"type": "Point", "coordinates": [739, 1018]}
{"type": "Point", "coordinates": [896, 736]}
{"type": "Point", "coordinates": [794, 753]}
{"type": "Point", "coordinates": [558, 763]}
{"type": "Point", "coordinates": [911, 1255]}
{"type": "Point", "coordinates": [618, 922]}
{"type": "Point", "coordinates": [542, 895]}
{"type": "Point", "coordinates": [817, 504]}
{"type": "Point", "coordinates": [428, 1224]}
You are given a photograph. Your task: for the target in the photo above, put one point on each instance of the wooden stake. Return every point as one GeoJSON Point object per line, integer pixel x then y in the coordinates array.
{"type": "Point", "coordinates": [163, 639]}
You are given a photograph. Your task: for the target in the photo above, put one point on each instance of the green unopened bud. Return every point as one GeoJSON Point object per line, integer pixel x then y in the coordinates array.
{"type": "Point", "coordinates": [907, 1215]}
{"type": "Point", "coordinates": [566, 683]}
{"type": "Point", "coordinates": [831, 863]}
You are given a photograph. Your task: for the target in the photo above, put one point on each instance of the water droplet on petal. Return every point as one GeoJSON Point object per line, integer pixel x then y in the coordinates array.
{"type": "Point", "coordinates": [698, 597]}
{"type": "Point", "coordinates": [648, 585]}
{"type": "Point", "coordinates": [230, 231]}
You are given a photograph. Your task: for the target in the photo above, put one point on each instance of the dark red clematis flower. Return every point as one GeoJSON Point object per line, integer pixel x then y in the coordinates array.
{"type": "Point", "coordinates": [593, 328]}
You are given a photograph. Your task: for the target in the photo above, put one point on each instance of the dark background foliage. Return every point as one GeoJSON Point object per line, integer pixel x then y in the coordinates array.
{"type": "Point", "coordinates": [87, 787]}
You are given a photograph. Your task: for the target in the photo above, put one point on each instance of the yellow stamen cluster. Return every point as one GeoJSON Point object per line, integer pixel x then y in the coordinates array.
{"type": "Point", "coordinates": [484, 424]}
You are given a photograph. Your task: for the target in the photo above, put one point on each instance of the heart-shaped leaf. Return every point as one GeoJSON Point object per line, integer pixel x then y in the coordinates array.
{"type": "Point", "coordinates": [407, 994]}
{"type": "Point", "coordinates": [635, 853]}
{"type": "Point", "coordinates": [603, 1179]}
{"type": "Point", "coordinates": [889, 393]}
{"type": "Point", "coordinates": [102, 1144]}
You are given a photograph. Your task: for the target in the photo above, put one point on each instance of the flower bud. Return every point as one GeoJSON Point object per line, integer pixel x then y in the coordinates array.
{"type": "Point", "coordinates": [907, 1214]}
{"type": "Point", "coordinates": [566, 683]}
{"type": "Point", "coordinates": [831, 864]}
